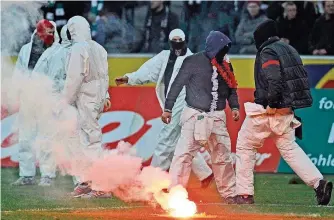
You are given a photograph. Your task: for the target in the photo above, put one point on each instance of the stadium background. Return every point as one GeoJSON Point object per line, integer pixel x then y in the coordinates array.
{"type": "Point", "coordinates": [135, 115]}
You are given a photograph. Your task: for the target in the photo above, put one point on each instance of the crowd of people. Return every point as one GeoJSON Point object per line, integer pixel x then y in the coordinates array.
{"type": "Point", "coordinates": [143, 27]}
{"type": "Point", "coordinates": [193, 90]}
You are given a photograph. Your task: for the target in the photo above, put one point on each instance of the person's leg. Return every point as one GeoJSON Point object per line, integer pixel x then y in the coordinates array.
{"type": "Point", "coordinates": [297, 159]}
{"type": "Point", "coordinates": [167, 140]}
{"type": "Point", "coordinates": [200, 167]}
{"type": "Point", "coordinates": [250, 137]}
{"type": "Point", "coordinates": [301, 163]}
{"type": "Point", "coordinates": [220, 147]}
{"type": "Point", "coordinates": [27, 159]}
{"type": "Point", "coordinates": [184, 153]}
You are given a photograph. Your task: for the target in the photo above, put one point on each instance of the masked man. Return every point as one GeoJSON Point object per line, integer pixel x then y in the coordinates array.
{"type": "Point", "coordinates": [44, 37]}
{"type": "Point", "coordinates": [281, 85]}
{"type": "Point", "coordinates": [86, 87]}
{"type": "Point", "coordinates": [209, 80]}
{"type": "Point", "coordinates": [162, 69]}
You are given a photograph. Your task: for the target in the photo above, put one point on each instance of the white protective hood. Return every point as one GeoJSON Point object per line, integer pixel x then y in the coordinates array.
{"type": "Point", "coordinates": [79, 29]}
{"type": "Point", "coordinates": [65, 42]}
{"type": "Point", "coordinates": [56, 35]}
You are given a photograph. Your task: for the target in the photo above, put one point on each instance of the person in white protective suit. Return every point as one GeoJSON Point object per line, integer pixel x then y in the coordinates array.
{"type": "Point", "coordinates": [282, 86]}
{"type": "Point", "coordinates": [86, 87]}
{"type": "Point", "coordinates": [162, 70]}
{"type": "Point", "coordinates": [44, 40]}
{"type": "Point", "coordinates": [209, 80]}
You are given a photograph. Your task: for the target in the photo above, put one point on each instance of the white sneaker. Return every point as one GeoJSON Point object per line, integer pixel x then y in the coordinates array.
{"type": "Point", "coordinates": [45, 181]}
{"type": "Point", "coordinates": [24, 181]}
{"type": "Point", "coordinates": [97, 194]}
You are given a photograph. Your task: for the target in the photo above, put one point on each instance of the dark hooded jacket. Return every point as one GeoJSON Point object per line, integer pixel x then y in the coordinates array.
{"type": "Point", "coordinates": [280, 78]}
{"type": "Point", "coordinates": [196, 73]}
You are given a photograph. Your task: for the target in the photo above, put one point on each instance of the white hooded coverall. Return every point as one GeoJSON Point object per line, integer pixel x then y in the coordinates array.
{"type": "Point", "coordinates": [153, 71]}
{"type": "Point", "coordinates": [86, 84]}
{"type": "Point", "coordinates": [27, 116]}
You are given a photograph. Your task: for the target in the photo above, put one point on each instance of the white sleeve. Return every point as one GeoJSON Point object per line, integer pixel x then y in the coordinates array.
{"type": "Point", "coordinates": [19, 67]}
{"type": "Point", "coordinates": [148, 72]}
{"type": "Point", "coordinates": [76, 72]}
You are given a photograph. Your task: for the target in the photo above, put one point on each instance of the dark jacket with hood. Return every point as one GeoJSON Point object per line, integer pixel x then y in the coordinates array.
{"type": "Point", "coordinates": [196, 73]}
{"type": "Point", "coordinates": [280, 78]}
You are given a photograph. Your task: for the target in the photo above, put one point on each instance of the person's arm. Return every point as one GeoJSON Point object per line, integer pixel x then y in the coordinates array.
{"type": "Point", "coordinates": [270, 65]}
{"type": "Point", "coordinates": [19, 67]}
{"type": "Point", "coordinates": [241, 37]}
{"type": "Point", "coordinates": [148, 72]}
{"type": "Point", "coordinates": [313, 38]}
{"type": "Point", "coordinates": [180, 81]}
{"type": "Point", "coordinates": [76, 72]}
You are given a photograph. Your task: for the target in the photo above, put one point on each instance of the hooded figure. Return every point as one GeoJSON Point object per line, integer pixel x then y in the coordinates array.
{"type": "Point", "coordinates": [162, 70]}
{"type": "Point", "coordinates": [209, 82]}
{"type": "Point", "coordinates": [44, 38]}
{"type": "Point", "coordinates": [281, 86]}
{"type": "Point", "coordinates": [86, 86]}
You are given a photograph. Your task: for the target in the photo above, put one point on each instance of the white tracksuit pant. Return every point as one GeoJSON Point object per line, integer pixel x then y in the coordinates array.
{"type": "Point", "coordinates": [254, 131]}
{"type": "Point", "coordinates": [167, 140]}
{"type": "Point", "coordinates": [28, 154]}
{"type": "Point", "coordinates": [220, 149]}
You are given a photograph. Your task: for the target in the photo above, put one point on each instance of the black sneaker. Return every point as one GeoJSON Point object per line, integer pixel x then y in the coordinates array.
{"type": "Point", "coordinates": [324, 192]}
{"type": "Point", "coordinates": [244, 199]}
{"type": "Point", "coordinates": [206, 182]}
{"type": "Point", "coordinates": [230, 200]}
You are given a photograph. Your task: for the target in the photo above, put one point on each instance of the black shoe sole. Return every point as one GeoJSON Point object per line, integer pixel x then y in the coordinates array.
{"type": "Point", "coordinates": [327, 195]}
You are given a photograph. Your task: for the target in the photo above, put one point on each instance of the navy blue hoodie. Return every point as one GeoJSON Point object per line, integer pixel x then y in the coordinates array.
{"type": "Point", "coordinates": [196, 73]}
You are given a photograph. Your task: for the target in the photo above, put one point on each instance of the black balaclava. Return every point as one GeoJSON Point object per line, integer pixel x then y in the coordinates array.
{"type": "Point", "coordinates": [221, 54]}
{"type": "Point", "coordinates": [264, 31]}
{"type": "Point", "coordinates": [178, 48]}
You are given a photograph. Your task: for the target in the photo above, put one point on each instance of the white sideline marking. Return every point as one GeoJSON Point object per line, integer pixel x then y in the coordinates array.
{"type": "Point", "coordinates": [273, 205]}
{"type": "Point", "coordinates": [147, 206]}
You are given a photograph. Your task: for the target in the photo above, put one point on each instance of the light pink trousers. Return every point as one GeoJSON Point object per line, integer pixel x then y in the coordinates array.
{"type": "Point", "coordinates": [281, 127]}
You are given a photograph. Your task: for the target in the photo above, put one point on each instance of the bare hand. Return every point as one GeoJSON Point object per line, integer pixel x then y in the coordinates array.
{"type": "Point", "coordinates": [235, 114]}
{"type": "Point", "coordinates": [166, 117]}
{"type": "Point", "coordinates": [285, 40]}
{"type": "Point", "coordinates": [270, 111]}
{"type": "Point", "coordinates": [323, 52]}
{"type": "Point", "coordinates": [315, 52]}
{"type": "Point", "coordinates": [121, 80]}
{"type": "Point", "coordinates": [107, 104]}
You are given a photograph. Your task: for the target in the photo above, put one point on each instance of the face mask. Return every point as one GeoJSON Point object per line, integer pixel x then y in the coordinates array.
{"type": "Point", "coordinates": [178, 47]}
{"type": "Point", "coordinates": [221, 54]}
{"type": "Point", "coordinates": [45, 31]}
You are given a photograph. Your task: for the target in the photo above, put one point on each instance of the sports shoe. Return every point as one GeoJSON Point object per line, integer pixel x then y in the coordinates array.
{"type": "Point", "coordinates": [24, 181]}
{"type": "Point", "coordinates": [45, 181]}
{"type": "Point", "coordinates": [81, 189]}
{"type": "Point", "coordinates": [230, 200]}
{"type": "Point", "coordinates": [207, 181]}
{"type": "Point", "coordinates": [96, 194]}
{"type": "Point", "coordinates": [244, 199]}
{"type": "Point", "coordinates": [324, 192]}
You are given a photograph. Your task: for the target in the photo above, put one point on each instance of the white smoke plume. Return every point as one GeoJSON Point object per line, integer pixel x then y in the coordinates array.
{"type": "Point", "coordinates": [54, 126]}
